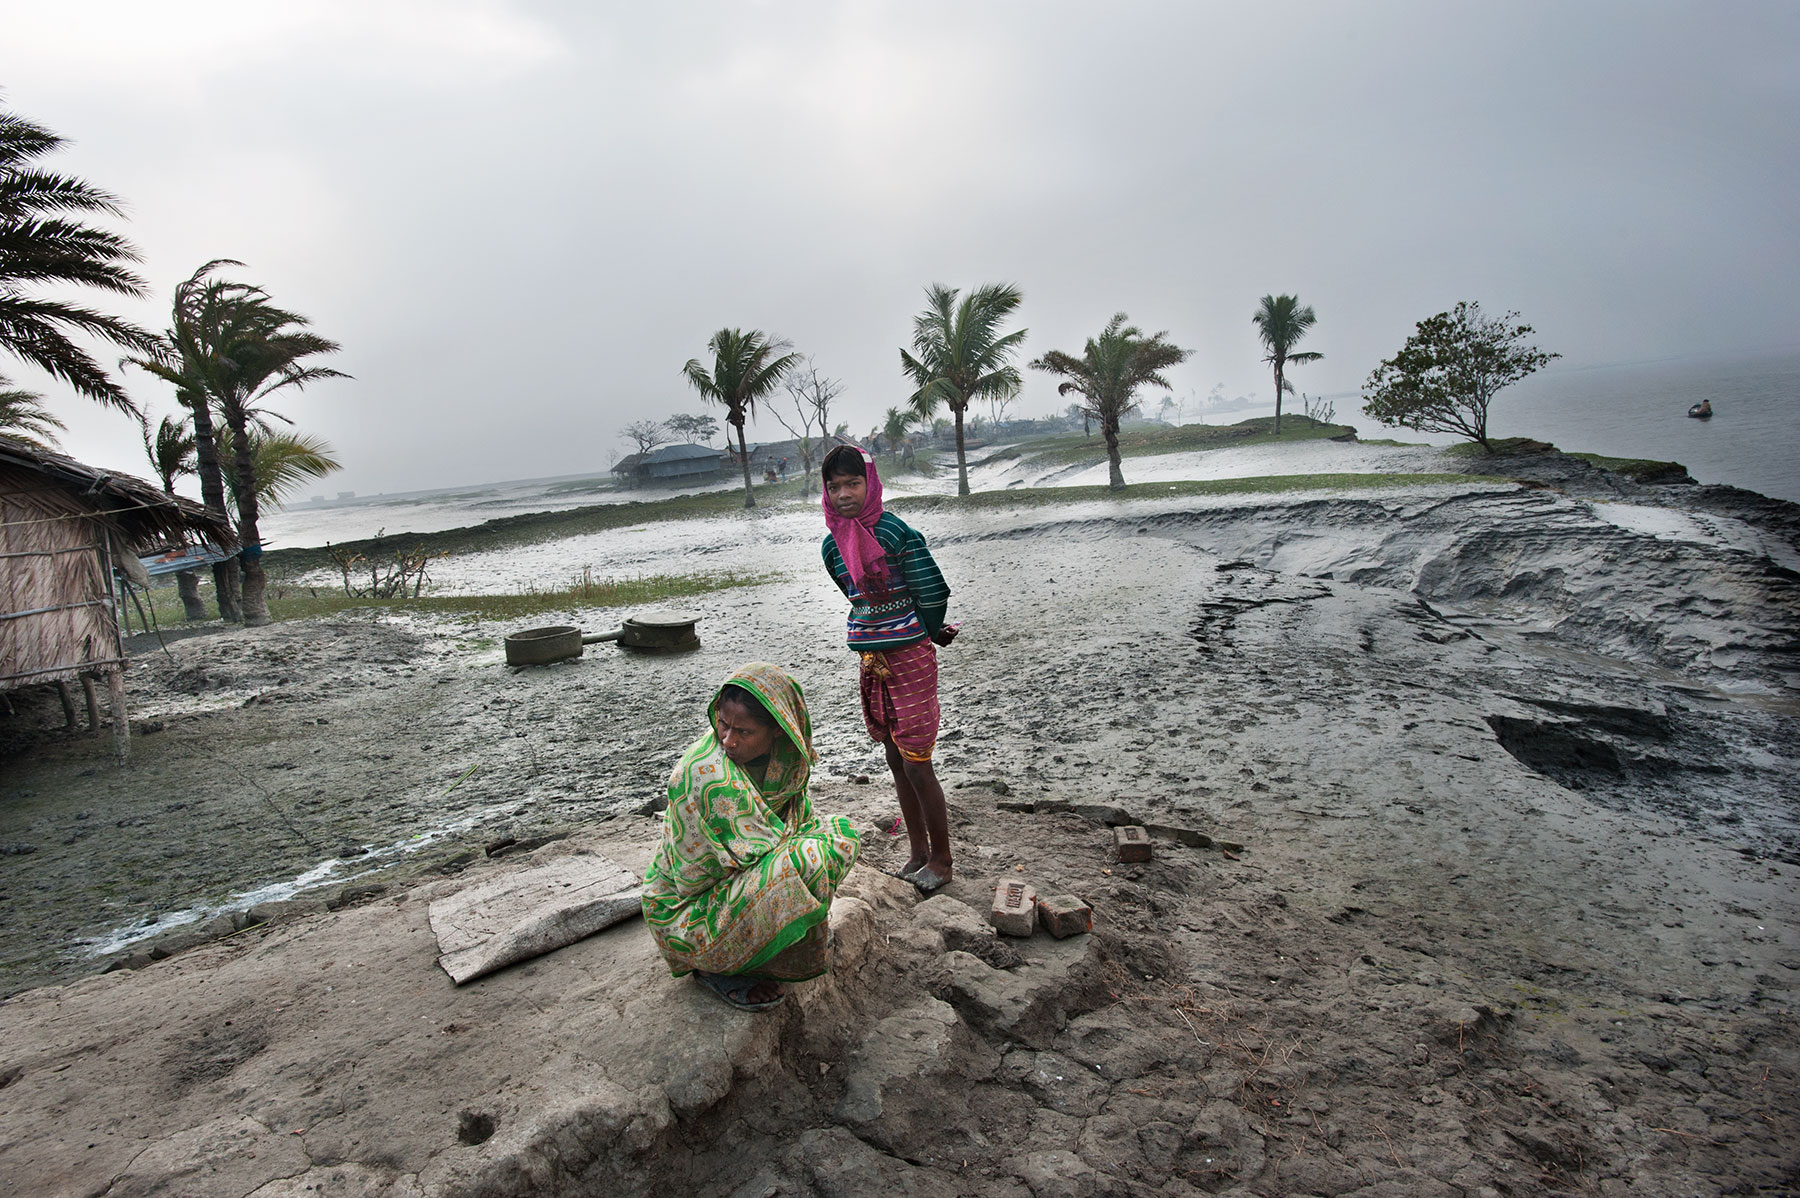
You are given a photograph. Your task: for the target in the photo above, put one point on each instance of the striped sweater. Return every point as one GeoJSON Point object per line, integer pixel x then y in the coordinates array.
{"type": "Point", "coordinates": [917, 598]}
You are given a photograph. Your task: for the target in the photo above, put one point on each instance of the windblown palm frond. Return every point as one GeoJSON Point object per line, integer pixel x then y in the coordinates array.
{"type": "Point", "coordinates": [283, 462]}
{"type": "Point", "coordinates": [23, 417]}
{"type": "Point", "coordinates": [171, 450]}
{"type": "Point", "coordinates": [44, 243]}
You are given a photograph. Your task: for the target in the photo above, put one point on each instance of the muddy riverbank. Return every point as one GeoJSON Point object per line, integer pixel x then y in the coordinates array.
{"type": "Point", "coordinates": [1512, 769]}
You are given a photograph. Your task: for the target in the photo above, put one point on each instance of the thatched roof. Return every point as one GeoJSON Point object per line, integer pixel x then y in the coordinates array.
{"type": "Point", "coordinates": [140, 511]}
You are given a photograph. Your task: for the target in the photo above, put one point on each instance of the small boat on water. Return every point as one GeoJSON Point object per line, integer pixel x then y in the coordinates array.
{"type": "Point", "coordinates": [1701, 410]}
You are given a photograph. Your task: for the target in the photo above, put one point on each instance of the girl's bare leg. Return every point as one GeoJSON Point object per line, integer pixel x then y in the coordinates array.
{"type": "Point", "coordinates": [926, 814]}
{"type": "Point", "coordinates": [910, 811]}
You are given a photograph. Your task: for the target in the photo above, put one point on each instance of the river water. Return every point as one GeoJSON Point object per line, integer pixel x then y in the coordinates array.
{"type": "Point", "coordinates": [1640, 411]}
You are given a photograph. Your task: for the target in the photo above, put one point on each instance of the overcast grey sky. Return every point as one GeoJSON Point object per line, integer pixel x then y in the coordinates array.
{"type": "Point", "coordinates": [520, 219]}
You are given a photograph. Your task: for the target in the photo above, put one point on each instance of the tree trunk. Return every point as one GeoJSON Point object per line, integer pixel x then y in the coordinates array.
{"type": "Point", "coordinates": [187, 584]}
{"type": "Point", "coordinates": [212, 493]}
{"type": "Point", "coordinates": [1109, 429]}
{"type": "Point", "coordinates": [255, 609]}
{"type": "Point", "coordinates": [962, 457]}
{"type": "Point", "coordinates": [744, 461]}
{"type": "Point", "coordinates": [1278, 382]}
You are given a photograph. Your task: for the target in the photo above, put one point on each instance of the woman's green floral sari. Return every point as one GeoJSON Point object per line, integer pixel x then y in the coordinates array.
{"type": "Point", "coordinates": [743, 879]}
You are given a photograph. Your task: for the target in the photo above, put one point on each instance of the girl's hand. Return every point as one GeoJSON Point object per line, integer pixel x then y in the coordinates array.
{"type": "Point", "coordinates": [946, 634]}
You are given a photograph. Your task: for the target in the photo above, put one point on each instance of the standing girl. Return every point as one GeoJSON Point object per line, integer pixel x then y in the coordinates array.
{"type": "Point", "coordinates": [898, 600]}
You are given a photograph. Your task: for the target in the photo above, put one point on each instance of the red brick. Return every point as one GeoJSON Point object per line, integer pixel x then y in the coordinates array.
{"type": "Point", "coordinates": [1064, 915]}
{"type": "Point", "coordinates": [1015, 909]}
{"type": "Point", "coordinates": [1131, 843]}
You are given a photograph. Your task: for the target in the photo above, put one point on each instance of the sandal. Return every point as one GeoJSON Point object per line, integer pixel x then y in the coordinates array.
{"type": "Point", "coordinates": [735, 988]}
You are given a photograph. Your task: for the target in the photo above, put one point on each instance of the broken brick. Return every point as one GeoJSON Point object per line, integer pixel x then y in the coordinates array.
{"type": "Point", "coordinates": [1015, 909]}
{"type": "Point", "coordinates": [1131, 843]}
{"type": "Point", "coordinates": [1064, 915]}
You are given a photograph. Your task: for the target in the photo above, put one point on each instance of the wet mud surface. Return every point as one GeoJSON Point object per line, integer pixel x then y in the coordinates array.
{"type": "Point", "coordinates": [1515, 910]}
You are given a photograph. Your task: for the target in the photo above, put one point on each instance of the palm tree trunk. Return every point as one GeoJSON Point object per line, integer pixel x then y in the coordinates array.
{"type": "Point", "coordinates": [255, 605]}
{"type": "Point", "coordinates": [1109, 429]}
{"type": "Point", "coordinates": [962, 457]}
{"type": "Point", "coordinates": [744, 461]}
{"type": "Point", "coordinates": [187, 585]}
{"type": "Point", "coordinates": [212, 494]}
{"type": "Point", "coordinates": [1278, 388]}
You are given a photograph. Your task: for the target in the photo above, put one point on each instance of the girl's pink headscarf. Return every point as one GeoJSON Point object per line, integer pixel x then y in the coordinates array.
{"type": "Point", "coordinates": [855, 536]}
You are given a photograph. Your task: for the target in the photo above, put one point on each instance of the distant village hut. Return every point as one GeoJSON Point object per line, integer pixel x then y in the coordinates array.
{"type": "Point", "coordinates": [64, 529]}
{"type": "Point", "coordinates": [672, 465]}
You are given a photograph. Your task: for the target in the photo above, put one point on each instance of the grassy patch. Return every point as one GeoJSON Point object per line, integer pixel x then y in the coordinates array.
{"type": "Point", "coordinates": [1071, 448]}
{"type": "Point", "coordinates": [1497, 446]}
{"type": "Point", "coordinates": [288, 602]}
{"type": "Point", "coordinates": [1262, 485]}
{"type": "Point", "coordinates": [1643, 470]}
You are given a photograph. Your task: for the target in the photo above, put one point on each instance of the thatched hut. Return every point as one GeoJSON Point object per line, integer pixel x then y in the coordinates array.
{"type": "Point", "coordinates": [64, 527]}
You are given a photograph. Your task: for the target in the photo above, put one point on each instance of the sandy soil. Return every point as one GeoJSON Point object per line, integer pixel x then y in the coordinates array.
{"type": "Point", "coordinates": [1512, 908]}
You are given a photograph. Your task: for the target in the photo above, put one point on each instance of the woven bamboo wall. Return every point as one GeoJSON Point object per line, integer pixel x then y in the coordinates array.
{"type": "Point", "coordinates": [56, 615]}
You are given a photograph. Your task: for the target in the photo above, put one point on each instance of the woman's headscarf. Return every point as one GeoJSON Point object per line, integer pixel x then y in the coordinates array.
{"type": "Point", "coordinates": [855, 535]}
{"type": "Point", "coordinates": [791, 756]}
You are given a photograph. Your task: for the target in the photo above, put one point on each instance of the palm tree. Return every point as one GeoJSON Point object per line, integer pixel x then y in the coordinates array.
{"type": "Point", "coordinates": [1108, 374]}
{"type": "Point", "coordinates": [44, 243]}
{"type": "Point", "coordinates": [228, 349]}
{"type": "Point", "coordinates": [962, 355]}
{"type": "Point", "coordinates": [171, 452]}
{"type": "Point", "coordinates": [895, 427]}
{"type": "Point", "coordinates": [23, 417]}
{"type": "Point", "coordinates": [746, 367]}
{"type": "Point", "coordinates": [1281, 322]}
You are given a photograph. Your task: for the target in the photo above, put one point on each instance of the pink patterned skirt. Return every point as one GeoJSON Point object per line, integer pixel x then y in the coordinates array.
{"type": "Point", "coordinates": [900, 698]}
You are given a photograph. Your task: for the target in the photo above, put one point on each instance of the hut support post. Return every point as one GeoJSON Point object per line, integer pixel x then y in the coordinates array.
{"type": "Point", "coordinates": [87, 688]}
{"type": "Point", "coordinates": [115, 687]}
{"type": "Point", "coordinates": [68, 702]}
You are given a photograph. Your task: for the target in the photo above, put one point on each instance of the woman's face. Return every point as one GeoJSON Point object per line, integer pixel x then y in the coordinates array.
{"type": "Point", "coordinates": [848, 493]}
{"type": "Point", "coordinates": [742, 736]}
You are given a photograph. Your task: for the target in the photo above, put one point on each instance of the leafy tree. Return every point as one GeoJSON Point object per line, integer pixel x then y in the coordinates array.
{"type": "Point", "coordinates": [959, 355]}
{"type": "Point", "coordinates": [813, 397]}
{"type": "Point", "coordinates": [171, 452]}
{"type": "Point", "coordinates": [45, 243]}
{"type": "Point", "coordinates": [646, 434]}
{"type": "Point", "coordinates": [746, 367]}
{"type": "Point", "coordinates": [23, 417]}
{"type": "Point", "coordinates": [227, 350]}
{"type": "Point", "coordinates": [1447, 373]}
{"type": "Point", "coordinates": [701, 429]}
{"type": "Point", "coordinates": [1281, 323]}
{"type": "Point", "coordinates": [1108, 374]}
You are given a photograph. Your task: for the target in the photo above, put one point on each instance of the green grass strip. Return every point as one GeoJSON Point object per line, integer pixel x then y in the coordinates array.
{"type": "Point", "coordinates": [289, 602]}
